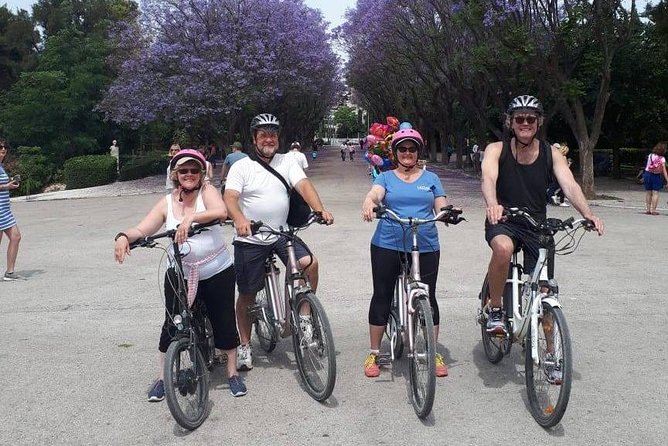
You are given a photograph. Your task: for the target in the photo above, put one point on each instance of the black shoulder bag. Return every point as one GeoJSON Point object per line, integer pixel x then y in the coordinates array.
{"type": "Point", "coordinates": [300, 211]}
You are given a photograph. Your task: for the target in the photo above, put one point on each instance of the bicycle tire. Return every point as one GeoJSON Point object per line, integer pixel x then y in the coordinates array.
{"type": "Point", "coordinates": [265, 330]}
{"type": "Point", "coordinates": [548, 398]}
{"type": "Point", "coordinates": [391, 330]}
{"type": "Point", "coordinates": [186, 384]}
{"type": "Point", "coordinates": [492, 345]}
{"type": "Point", "coordinates": [422, 362]}
{"type": "Point", "coordinates": [316, 360]}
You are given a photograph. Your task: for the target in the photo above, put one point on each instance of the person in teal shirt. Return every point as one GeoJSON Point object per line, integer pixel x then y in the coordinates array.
{"type": "Point", "coordinates": [409, 191]}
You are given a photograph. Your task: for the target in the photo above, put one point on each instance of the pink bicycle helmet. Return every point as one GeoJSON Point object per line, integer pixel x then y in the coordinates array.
{"type": "Point", "coordinates": [187, 155]}
{"type": "Point", "coordinates": [407, 134]}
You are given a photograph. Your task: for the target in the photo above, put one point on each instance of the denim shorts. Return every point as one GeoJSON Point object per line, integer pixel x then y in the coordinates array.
{"type": "Point", "coordinates": [249, 262]}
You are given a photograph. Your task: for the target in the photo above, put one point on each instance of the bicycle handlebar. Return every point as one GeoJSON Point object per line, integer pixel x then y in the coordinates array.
{"type": "Point", "coordinates": [150, 241]}
{"type": "Point", "coordinates": [550, 226]}
{"type": "Point", "coordinates": [448, 215]}
{"type": "Point", "coordinates": [260, 226]}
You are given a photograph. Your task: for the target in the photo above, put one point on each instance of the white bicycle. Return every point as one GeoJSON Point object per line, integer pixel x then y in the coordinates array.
{"type": "Point", "coordinates": [534, 318]}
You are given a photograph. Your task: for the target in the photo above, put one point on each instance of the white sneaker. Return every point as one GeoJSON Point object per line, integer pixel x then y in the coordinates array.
{"type": "Point", "coordinates": [244, 358]}
{"type": "Point", "coordinates": [307, 328]}
{"type": "Point", "coordinates": [565, 205]}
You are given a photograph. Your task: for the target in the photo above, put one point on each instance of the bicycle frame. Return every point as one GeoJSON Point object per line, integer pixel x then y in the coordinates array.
{"type": "Point", "coordinates": [527, 308]}
{"type": "Point", "coordinates": [408, 288]}
{"type": "Point", "coordinates": [295, 282]}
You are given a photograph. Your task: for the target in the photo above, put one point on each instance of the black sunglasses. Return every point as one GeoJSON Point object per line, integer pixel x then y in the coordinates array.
{"type": "Point", "coordinates": [189, 171]}
{"type": "Point", "coordinates": [522, 119]}
{"type": "Point", "coordinates": [411, 149]}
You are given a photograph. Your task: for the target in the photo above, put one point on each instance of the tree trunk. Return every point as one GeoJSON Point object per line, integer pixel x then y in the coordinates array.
{"type": "Point", "coordinates": [587, 167]}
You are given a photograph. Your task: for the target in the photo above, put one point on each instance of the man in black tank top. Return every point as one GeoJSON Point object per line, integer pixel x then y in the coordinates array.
{"type": "Point", "coordinates": [516, 173]}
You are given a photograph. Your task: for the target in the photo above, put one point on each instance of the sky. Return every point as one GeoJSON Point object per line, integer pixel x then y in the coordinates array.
{"type": "Point", "coordinates": [332, 10]}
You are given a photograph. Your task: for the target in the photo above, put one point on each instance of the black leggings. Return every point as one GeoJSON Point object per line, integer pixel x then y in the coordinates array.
{"type": "Point", "coordinates": [385, 268]}
{"type": "Point", "coordinates": [217, 292]}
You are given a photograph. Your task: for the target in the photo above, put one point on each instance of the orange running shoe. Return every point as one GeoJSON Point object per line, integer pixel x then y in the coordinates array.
{"type": "Point", "coordinates": [371, 369]}
{"type": "Point", "coordinates": [441, 368]}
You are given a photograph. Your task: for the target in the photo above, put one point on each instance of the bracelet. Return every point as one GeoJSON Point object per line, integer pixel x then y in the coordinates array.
{"type": "Point", "coordinates": [121, 234]}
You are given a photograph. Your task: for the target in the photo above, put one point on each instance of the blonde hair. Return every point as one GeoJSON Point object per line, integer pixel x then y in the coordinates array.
{"type": "Point", "coordinates": [174, 176]}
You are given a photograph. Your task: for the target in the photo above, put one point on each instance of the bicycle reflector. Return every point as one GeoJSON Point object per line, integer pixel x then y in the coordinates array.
{"type": "Point", "coordinates": [178, 321]}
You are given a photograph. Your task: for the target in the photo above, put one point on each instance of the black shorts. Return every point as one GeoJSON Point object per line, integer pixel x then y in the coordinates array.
{"type": "Point", "coordinates": [249, 262]}
{"type": "Point", "coordinates": [523, 238]}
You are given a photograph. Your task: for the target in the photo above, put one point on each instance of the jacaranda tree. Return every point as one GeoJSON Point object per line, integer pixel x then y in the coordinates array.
{"type": "Point", "coordinates": [211, 64]}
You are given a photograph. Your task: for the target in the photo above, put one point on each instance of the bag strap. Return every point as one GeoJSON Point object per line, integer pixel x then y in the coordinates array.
{"type": "Point", "coordinates": [272, 170]}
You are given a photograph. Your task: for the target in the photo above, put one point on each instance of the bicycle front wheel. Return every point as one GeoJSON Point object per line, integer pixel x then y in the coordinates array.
{"type": "Point", "coordinates": [263, 321]}
{"type": "Point", "coordinates": [423, 359]}
{"type": "Point", "coordinates": [186, 384]}
{"type": "Point", "coordinates": [549, 381]}
{"type": "Point", "coordinates": [314, 346]}
{"type": "Point", "coordinates": [492, 345]}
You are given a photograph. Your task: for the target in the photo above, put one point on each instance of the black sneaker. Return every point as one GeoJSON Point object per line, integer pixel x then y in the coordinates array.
{"type": "Point", "coordinates": [237, 386]}
{"type": "Point", "coordinates": [495, 323]}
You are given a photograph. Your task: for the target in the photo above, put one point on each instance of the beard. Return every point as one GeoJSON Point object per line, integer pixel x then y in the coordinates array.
{"type": "Point", "coordinates": [266, 151]}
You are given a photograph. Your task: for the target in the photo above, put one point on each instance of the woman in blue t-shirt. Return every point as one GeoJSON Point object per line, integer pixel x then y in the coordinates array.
{"type": "Point", "coordinates": [410, 192]}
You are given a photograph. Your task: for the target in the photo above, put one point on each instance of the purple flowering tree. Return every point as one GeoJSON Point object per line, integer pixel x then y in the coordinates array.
{"type": "Point", "coordinates": [466, 59]}
{"type": "Point", "coordinates": [214, 63]}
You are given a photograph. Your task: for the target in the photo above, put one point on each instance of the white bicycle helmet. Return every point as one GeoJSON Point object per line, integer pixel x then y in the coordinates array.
{"type": "Point", "coordinates": [525, 103]}
{"type": "Point", "coordinates": [264, 120]}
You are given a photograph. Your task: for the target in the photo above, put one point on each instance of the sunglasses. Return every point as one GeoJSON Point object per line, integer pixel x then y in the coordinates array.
{"type": "Point", "coordinates": [522, 119]}
{"type": "Point", "coordinates": [411, 149]}
{"type": "Point", "coordinates": [3, 147]}
{"type": "Point", "coordinates": [189, 171]}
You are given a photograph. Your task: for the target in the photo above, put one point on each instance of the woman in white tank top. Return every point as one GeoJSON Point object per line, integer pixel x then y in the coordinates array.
{"type": "Point", "coordinates": [207, 261]}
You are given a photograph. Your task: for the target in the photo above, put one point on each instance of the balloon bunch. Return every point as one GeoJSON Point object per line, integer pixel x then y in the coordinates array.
{"type": "Point", "coordinates": [378, 143]}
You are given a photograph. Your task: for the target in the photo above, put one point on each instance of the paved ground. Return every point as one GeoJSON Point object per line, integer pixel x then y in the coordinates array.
{"type": "Point", "coordinates": [81, 333]}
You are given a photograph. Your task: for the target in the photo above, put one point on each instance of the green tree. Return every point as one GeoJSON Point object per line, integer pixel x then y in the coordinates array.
{"type": "Point", "coordinates": [18, 45]}
{"type": "Point", "coordinates": [345, 118]}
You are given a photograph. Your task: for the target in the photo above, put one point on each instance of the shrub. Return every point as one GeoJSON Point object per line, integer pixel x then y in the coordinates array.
{"type": "Point", "coordinates": [140, 166]}
{"type": "Point", "coordinates": [34, 168]}
{"type": "Point", "coordinates": [89, 170]}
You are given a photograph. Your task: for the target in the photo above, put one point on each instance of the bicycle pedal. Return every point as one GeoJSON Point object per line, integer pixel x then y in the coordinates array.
{"type": "Point", "coordinates": [384, 359]}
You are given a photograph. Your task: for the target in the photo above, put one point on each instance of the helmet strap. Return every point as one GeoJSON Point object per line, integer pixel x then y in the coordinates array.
{"type": "Point", "coordinates": [262, 157]}
{"type": "Point", "coordinates": [186, 192]}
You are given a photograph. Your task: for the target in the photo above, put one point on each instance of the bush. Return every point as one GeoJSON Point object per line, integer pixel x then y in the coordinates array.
{"type": "Point", "coordinates": [89, 170]}
{"type": "Point", "coordinates": [140, 166]}
{"type": "Point", "coordinates": [34, 168]}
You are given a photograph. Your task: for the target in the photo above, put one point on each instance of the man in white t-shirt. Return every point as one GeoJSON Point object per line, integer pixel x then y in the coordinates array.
{"type": "Point", "coordinates": [295, 151]}
{"type": "Point", "coordinates": [254, 193]}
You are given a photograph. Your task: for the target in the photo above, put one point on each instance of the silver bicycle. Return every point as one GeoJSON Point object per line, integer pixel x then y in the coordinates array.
{"type": "Point", "coordinates": [297, 312]}
{"type": "Point", "coordinates": [534, 318]}
{"type": "Point", "coordinates": [411, 317]}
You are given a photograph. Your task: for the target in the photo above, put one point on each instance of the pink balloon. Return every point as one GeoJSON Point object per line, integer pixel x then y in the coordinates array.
{"type": "Point", "coordinates": [376, 160]}
{"type": "Point", "coordinates": [371, 139]}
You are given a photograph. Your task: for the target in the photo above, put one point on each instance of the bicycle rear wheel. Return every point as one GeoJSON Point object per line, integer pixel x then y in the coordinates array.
{"type": "Point", "coordinates": [265, 329]}
{"type": "Point", "coordinates": [549, 382]}
{"type": "Point", "coordinates": [314, 347]}
{"type": "Point", "coordinates": [393, 332]}
{"type": "Point", "coordinates": [492, 345]}
{"type": "Point", "coordinates": [423, 359]}
{"type": "Point", "coordinates": [186, 384]}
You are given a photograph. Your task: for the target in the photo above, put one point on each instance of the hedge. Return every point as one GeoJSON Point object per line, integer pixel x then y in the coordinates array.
{"type": "Point", "coordinates": [89, 170]}
{"type": "Point", "coordinates": [140, 166]}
